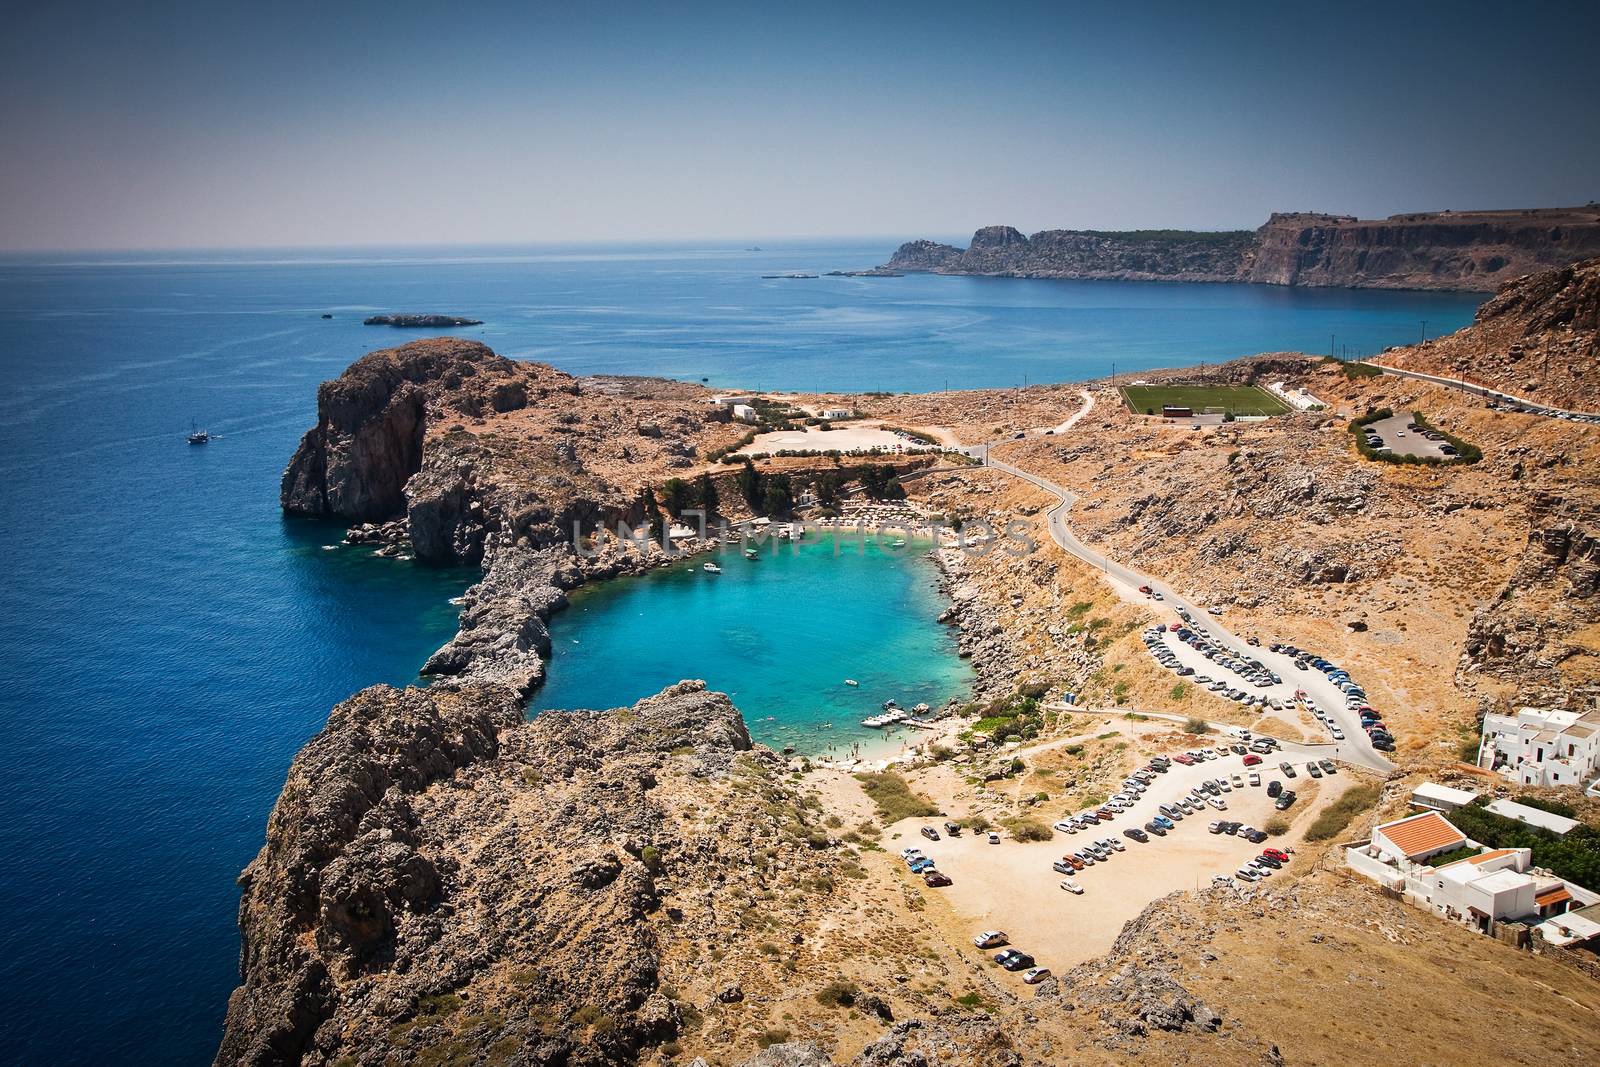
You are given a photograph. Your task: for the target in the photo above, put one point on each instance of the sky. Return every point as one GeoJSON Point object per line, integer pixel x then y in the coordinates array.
{"type": "Point", "coordinates": [223, 124]}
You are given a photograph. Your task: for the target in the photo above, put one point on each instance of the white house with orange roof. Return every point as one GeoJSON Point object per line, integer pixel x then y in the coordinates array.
{"type": "Point", "coordinates": [1481, 890]}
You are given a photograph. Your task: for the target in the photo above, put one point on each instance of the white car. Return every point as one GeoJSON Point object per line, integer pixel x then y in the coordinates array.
{"type": "Point", "coordinates": [1217, 803]}
{"type": "Point", "coordinates": [994, 838]}
{"type": "Point", "coordinates": [1238, 782]}
{"type": "Point", "coordinates": [1255, 778]}
{"type": "Point", "coordinates": [990, 939]}
{"type": "Point", "coordinates": [1066, 827]}
{"type": "Point", "coordinates": [1248, 874]}
{"type": "Point", "coordinates": [1072, 887]}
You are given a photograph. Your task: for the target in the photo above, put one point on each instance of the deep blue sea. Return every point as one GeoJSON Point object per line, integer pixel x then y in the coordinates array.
{"type": "Point", "coordinates": [170, 641]}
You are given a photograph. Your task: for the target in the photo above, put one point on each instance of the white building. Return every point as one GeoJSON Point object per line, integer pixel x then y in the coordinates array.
{"type": "Point", "coordinates": [1559, 825]}
{"type": "Point", "coordinates": [1432, 796]}
{"type": "Point", "coordinates": [1540, 746]}
{"type": "Point", "coordinates": [726, 399]}
{"type": "Point", "coordinates": [744, 413]}
{"type": "Point", "coordinates": [836, 413]}
{"type": "Point", "coordinates": [1493, 886]}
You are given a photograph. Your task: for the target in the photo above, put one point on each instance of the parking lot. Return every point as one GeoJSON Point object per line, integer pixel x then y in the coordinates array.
{"type": "Point", "coordinates": [1343, 730]}
{"type": "Point", "coordinates": [1011, 886]}
{"type": "Point", "coordinates": [1402, 437]}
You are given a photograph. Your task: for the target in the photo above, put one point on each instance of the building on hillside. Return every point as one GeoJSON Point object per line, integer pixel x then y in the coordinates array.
{"type": "Point", "coordinates": [744, 413]}
{"type": "Point", "coordinates": [836, 413]}
{"type": "Point", "coordinates": [1542, 746]}
{"type": "Point", "coordinates": [1431, 796]}
{"type": "Point", "coordinates": [1482, 890]}
{"type": "Point", "coordinates": [1559, 825]}
{"type": "Point", "coordinates": [1417, 837]}
{"type": "Point", "coordinates": [1176, 411]}
{"type": "Point", "coordinates": [729, 399]}
{"type": "Point", "coordinates": [1578, 928]}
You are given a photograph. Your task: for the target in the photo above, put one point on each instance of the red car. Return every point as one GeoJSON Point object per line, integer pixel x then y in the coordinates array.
{"type": "Point", "coordinates": [1251, 760]}
{"type": "Point", "coordinates": [1277, 854]}
{"type": "Point", "coordinates": [1175, 626]}
{"type": "Point", "coordinates": [1145, 589]}
{"type": "Point", "coordinates": [1184, 758]}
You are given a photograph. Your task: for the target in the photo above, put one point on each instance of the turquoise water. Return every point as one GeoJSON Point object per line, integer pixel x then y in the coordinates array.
{"type": "Point", "coordinates": [779, 634]}
{"type": "Point", "coordinates": [170, 641]}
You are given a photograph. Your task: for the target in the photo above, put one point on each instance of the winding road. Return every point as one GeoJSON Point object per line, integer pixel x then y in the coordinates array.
{"type": "Point", "coordinates": [1355, 748]}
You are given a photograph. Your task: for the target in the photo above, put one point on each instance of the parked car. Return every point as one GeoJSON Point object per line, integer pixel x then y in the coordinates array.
{"type": "Point", "coordinates": [1247, 874]}
{"type": "Point", "coordinates": [1274, 787]}
{"type": "Point", "coordinates": [1136, 834]}
{"type": "Point", "coordinates": [936, 880]}
{"type": "Point", "coordinates": [994, 838]}
{"type": "Point", "coordinates": [1313, 770]}
{"type": "Point", "coordinates": [1018, 961]}
{"type": "Point", "coordinates": [1072, 887]}
{"type": "Point", "coordinates": [990, 939]}
{"type": "Point", "coordinates": [921, 864]}
{"type": "Point", "coordinates": [1287, 768]}
{"type": "Point", "coordinates": [930, 833]}
{"type": "Point", "coordinates": [1036, 975]}
{"type": "Point", "coordinates": [1277, 854]}
{"type": "Point", "coordinates": [953, 829]}
{"type": "Point", "coordinates": [1251, 760]}
{"type": "Point", "coordinates": [1286, 799]}
{"type": "Point", "coordinates": [1155, 828]}
{"type": "Point", "coordinates": [1063, 867]}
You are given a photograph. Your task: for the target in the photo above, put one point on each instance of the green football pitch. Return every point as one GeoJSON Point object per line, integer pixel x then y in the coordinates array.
{"type": "Point", "coordinates": [1238, 399]}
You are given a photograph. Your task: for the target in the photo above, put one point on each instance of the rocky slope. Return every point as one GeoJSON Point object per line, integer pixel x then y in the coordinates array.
{"type": "Point", "coordinates": [440, 874]}
{"type": "Point", "coordinates": [1538, 338]}
{"type": "Point", "coordinates": [1474, 251]}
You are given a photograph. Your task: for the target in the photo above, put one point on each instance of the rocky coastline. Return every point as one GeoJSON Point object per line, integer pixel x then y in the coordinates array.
{"type": "Point", "coordinates": [1473, 251]}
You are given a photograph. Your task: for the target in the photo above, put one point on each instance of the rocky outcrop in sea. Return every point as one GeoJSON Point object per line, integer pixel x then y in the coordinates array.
{"type": "Point", "coordinates": [416, 321]}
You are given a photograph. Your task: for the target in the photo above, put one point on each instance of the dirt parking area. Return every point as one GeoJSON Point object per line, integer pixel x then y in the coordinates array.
{"type": "Point", "coordinates": [1012, 887]}
{"type": "Point", "coordinates": [1403, 441]}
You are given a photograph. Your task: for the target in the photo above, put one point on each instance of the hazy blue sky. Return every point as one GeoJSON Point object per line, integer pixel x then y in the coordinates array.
{"type": "Point", "coordinates": [219, 124]}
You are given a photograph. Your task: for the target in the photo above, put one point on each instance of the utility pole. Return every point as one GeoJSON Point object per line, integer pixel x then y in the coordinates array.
{"type": "Point", "coordinates": [1424, 330]}
{"type": "Point", "coordinates": [1330, 346]}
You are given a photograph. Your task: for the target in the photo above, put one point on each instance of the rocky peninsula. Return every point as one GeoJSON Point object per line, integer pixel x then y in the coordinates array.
{"type": "Point", "coordinates": [1473, 251]}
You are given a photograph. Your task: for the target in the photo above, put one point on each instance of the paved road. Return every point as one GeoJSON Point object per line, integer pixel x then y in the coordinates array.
{"type": "Point", "coordinates": [1355, 748]}
{"type": "Point", "coordinates": [1483, 391]}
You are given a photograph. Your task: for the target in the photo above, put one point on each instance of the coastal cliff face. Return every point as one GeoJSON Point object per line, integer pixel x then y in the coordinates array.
{"type": "Point", "coordinates": [1474, 251]}
{"type": "Point", "coordinates": [371, 421]}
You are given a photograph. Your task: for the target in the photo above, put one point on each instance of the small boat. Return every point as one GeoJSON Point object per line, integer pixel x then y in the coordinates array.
{"type": "Point", "coordinates": [198, 437]}
{"type": "Point", "coordinates": [899, 542]}
{"type": "Point", "coordinates": [751, 553]}
{"type": "Point", "coordinates": [851, 681]}
{"type": "Point", "coordinates": [890, 704]}
{"type": "Point", "coordinates": [711, 568]}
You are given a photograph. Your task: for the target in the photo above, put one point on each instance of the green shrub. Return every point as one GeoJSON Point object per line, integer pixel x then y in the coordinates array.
{"type": "Point", "coordinates": [1336, 816]}
{"type": "Point", "coordinates": [1277, 826]}
{"type": "Point", "coordinates": [838, 994]}
{"type": "Point", "coordinates": [1028, 829]}
{"type": "Point", "coordinates": [1196, 725]}
{"type": "Point", "coordinates": [895, 798]}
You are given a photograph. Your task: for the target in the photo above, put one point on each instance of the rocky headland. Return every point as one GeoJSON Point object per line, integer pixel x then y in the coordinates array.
{"type": "Point", "coordinates": [1468, 250]}
{"type": "Point", "coordinates": [420, 321]}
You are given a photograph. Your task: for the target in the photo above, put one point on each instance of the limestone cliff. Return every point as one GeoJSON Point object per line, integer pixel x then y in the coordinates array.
{"type": "Point", "coordinates": [1473, 251]}
{"type": "Point", "coordinates": [371, 421]}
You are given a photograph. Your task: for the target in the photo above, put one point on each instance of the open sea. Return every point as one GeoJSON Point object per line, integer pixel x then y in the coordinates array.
{"type": "Point", "coordinates": [170, 640]}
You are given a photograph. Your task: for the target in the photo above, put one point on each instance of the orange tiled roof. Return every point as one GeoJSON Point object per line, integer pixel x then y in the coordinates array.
{"type": "Point", "coordinates": [1427, 832]}
{"type": "Point", "coordinates": [1492, 854]}
{"type": "Point", "coordinates": [1553, 895]}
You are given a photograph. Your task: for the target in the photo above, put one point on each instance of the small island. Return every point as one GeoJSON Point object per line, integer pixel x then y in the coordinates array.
{"type": "Point", "coordinates": [420, 321]}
